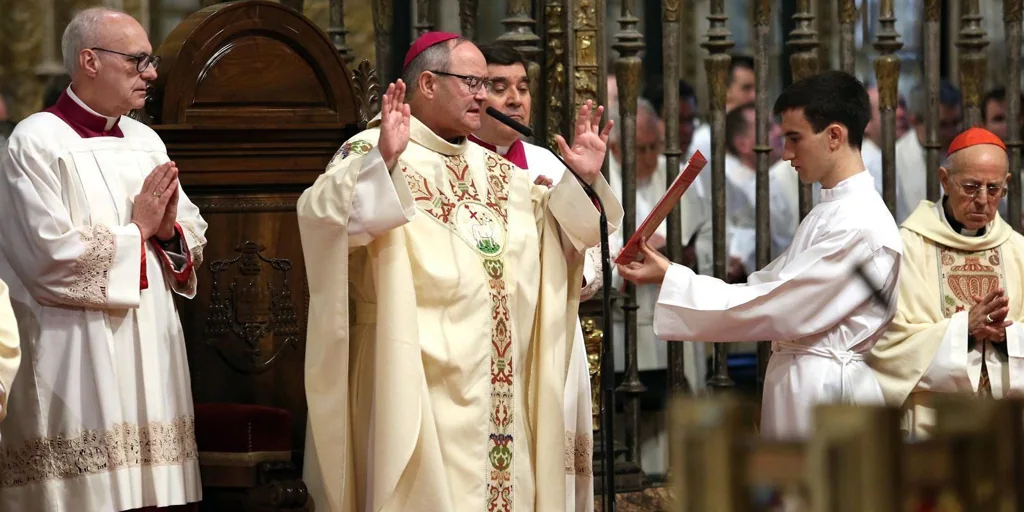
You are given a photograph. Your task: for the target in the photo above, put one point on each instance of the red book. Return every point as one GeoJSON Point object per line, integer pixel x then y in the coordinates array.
{"type": "Point", "coordinates": [662, 209]}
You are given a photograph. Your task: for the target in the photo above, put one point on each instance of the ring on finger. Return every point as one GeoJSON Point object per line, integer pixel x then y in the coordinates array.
{"type": "Point", "coordinates": [156, 195]}
{"type": "Point", "coordinates": [989, 318]}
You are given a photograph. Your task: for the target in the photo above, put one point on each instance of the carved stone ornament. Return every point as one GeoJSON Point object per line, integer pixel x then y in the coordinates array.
{"type": "Point", "coordinates": [251, 307]}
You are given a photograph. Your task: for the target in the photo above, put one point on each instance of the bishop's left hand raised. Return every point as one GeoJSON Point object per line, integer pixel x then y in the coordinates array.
{"type": "Point", "coordinates": [586, 156]}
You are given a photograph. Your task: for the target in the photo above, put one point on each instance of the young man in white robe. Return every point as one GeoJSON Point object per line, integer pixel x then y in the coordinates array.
{"type": "Point", "coordinates": [509, 92]}
{"type": "Point", "coordinates": [810, 301]}
{"type": "Point", "coordinates": [957, 327]}
{"type": "Point", "coordinates": [98, 240]}
{"type": "Point", "coordinates": [10, 347]}
{"type": "Point", "coordinates": [447, 391]}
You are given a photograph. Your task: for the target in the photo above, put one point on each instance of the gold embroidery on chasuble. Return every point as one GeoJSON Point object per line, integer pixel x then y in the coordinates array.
{"type": "Point", "coordinates": [964, 275]}
{"type": "Point", "coordinates": [481, 222]}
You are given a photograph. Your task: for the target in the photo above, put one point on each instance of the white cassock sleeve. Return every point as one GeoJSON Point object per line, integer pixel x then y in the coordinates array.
{"type": "Point", "coordinates": [381, 200]}
{"type": "Point", "coordinates": [774, 303]}
{"type": "Point", "coordinates": [60, 263]}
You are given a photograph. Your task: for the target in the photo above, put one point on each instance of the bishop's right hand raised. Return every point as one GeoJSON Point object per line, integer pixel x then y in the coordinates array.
{"type": "Point", "coordinates": [394, 124]}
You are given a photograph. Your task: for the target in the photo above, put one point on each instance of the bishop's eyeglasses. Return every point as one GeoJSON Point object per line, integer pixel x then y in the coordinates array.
{"type": "Point", "coordinates": [473, 82]}
{"type": "Point", "coordinates": [994, 191]}
{"type": "Point", "coordinates": [142, 60]}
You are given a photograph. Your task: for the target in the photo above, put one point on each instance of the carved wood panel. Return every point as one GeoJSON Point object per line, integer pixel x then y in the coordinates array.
{"type": "Point", "coordinates": [252, 102]}
{"type": "Point", "coordinates": [245, 330]}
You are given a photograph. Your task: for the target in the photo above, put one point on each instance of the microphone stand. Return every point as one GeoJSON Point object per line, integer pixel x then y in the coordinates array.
{"type": "Point", "coordinates": [607, 357]}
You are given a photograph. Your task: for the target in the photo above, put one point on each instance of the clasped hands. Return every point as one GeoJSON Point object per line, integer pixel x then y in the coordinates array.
{"type": "Point", "coordinates": [986, 320]}
{"type": "Point", "coordinates": [156, 206]}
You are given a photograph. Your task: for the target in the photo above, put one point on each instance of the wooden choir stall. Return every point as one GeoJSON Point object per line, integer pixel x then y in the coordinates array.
{"type": "Point", "coordinates": [252, 102]}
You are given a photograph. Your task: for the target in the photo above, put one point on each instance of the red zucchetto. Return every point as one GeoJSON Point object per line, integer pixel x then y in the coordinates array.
{"type": "Point", "coordinates": [426, 41]}
{"type": "Point", "coordinates": [973, 137]}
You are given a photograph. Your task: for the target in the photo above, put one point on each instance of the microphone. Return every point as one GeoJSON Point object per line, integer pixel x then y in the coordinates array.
{"type": "Point", "coordinates": [607, 358]}
{"type": "Point", "coordinates": [525, 131]}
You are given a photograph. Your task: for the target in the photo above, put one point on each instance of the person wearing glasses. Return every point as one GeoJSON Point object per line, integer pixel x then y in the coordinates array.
{"type": "Point", "coordinates": [98, 240]}
{"type": "Point", "coordinates": [444, 287]}
{"type": "Point", "coordinates": [954, 330]}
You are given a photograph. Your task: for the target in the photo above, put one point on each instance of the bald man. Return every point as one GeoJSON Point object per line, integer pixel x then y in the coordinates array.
{"type": "Point", "coordinates": [99, 240]}
{"type": "Point", "coordinates": [962, 272]}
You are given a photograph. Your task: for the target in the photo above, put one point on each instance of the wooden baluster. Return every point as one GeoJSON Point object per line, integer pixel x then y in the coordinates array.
{"type": "Point", "coordinates": [1012, 21]}
{"type": "Point", "coordinates": [887, 71]}
{"type": "Point", "coordinates": [708, 456]}
{"type": "Point", "coordinates": [932, 71]}
{"type": "Point", "coordinates": [988, 450]}
{"type": "Point", "coordinates": [629, 43]}
{"type": "Point", "coordinates": [854, 460]}
{"type": "Point", "coordinates": [803, 62]}
{"type": "Point", "coordinates": [973, 61]}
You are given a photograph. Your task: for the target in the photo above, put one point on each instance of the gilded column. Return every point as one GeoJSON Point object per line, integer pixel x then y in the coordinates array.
{"type": "Point", "coordinates": [336, 30]}
{"type": "Point", "coordinates": [932, 71]}
{"type": "Point", "coordinates": [972, 43]}
{"type": "Point", "coordinates": [22, 26]}
{"type": "Point", "coordinates": [557, 63]}
{"type": "Point", "coordinates": [716, 65]}
{"type": "Point", "coordinates": [424, 17]}
{"type": "Point", "coordinates": [467, 18]}
{"type": "Point", "coordinates": [1012, 20]}
{"type": "Point", "coordinates": [383, 19]}
{"type": "Point", "coordinates": [519, 31]}
{"type": "Point", "coordinates": [803, 62]}
{"type": "Point", "coordinates": [847, 40]}
{"type": "Point", "coordinates": [629, 43]}
{"type": "Point", "coordinates": [670, 30]}
{"type": "Point", "coordinates": [763, 114]}
{"type": "Point", "coordinates": [887, 71]}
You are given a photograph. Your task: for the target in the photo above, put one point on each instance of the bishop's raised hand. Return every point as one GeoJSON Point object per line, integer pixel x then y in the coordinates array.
{"type": "Point", "coordinates": [586, 156]}
{"type": "Point", "coordinates": [395, 118]}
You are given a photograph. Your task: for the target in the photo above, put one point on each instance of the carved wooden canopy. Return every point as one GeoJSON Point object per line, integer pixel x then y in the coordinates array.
{"type": "Point", "coordinates": [251, 78]}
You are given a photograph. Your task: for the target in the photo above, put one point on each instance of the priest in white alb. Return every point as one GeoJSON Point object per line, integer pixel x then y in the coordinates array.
{"type": "Point", "coordinates": [443, 387]}
{"type": "Point", "coordinates": [509, 92]}
{"type": "Point", "coordinates": [957, 327]}
{"type": "Point", "coordinates": [98, 240]}
{"type": "Point", "coordinates": [10, 347]}
{"type": "Point", "coordinates": [821, 317]}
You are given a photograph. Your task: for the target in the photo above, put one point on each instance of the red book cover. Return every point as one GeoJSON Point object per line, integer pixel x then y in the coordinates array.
{"type": "Point", "coordinates": [668, 201]}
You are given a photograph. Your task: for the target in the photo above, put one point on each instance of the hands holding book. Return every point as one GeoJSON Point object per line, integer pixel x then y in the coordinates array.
{"type": "Point", "coordinates": [650, 268]}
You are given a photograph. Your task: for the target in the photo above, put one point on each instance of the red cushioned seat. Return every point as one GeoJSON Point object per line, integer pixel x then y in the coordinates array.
{"type": "Point", "coordinates": [239, 428]}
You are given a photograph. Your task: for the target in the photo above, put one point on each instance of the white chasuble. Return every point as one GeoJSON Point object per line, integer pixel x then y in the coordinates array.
{"type": "Point", "coordinates": [100, 415]}
{"type": "Point", "coordinates": [810, 302]}
{"type": "Point", "coordinates": [927, 348]}
{"type": "Point", "coordinates": [442, 387]}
